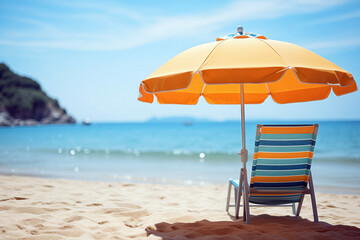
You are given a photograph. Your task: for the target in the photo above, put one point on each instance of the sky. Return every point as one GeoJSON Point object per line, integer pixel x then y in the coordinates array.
{"type": "Point", "coordinates": [92, 55]}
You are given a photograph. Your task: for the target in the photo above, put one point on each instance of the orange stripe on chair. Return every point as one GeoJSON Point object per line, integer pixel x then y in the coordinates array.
{"type": "Point", "coordinates": [288, 130]}
{"type": "Point", "coordinates": [283, 155]}
{"type": "Point", "coordinates": [280, 179]}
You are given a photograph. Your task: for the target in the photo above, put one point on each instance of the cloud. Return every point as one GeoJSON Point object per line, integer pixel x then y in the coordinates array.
{"type": "Point", "coordinates": [338, 18]}
{"type": "Point", "coordinates": [104, 27]}
{"type": "Point", "coordinates": [104, 8]}
{"type": "Point", "coordinates": [344, 43]}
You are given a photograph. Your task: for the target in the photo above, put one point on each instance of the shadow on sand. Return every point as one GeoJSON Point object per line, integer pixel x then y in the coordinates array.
{"type": "Point", "coordinates": [261, 227]}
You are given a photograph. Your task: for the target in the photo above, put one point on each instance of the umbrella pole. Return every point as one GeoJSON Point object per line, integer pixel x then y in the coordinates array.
{"type": "Point", "coordinates": [244, 159]}
{"type": "Point", "coordinates": [243, 150]}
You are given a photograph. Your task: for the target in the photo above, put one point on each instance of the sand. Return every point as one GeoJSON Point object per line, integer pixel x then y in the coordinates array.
{"type": "Point", "coordinates": [36, 208]}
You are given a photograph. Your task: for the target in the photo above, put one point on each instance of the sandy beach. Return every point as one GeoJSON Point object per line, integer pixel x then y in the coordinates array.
{"type": "Point", "coordinates": [37, 208]}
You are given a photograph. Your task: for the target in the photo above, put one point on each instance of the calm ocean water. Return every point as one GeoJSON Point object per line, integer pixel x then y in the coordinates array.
{"type": "Point", "coordinates": [204, 152]}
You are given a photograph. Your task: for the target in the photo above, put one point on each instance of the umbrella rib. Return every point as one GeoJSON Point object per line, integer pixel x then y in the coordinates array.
{"type": "Point", "coordinates": [172, 90]}
{"type": "Point", "coordinates": [296, 73]}
{"type": "Point", "coordinates": [267, 86]}
{"type": "Point", "coordinates": [274, 51]}
{"type": "Point", "coordinates": [297, 77]}
{"type": "Point", "coordinates": [198, 70]}
{"type": "Point", "coordinates": [203, 88]}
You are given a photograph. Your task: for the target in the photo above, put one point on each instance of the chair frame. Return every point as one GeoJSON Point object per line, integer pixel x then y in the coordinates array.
{"type": "Point", "coordinates": [243, 189]}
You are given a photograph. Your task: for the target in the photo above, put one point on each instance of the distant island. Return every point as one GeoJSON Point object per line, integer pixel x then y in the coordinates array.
{"type": "Point", "coordinates": [23, 102]}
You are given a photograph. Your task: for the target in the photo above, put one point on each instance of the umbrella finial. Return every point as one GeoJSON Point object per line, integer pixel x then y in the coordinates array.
{"type": "Point", "coordinates": [240, 30]}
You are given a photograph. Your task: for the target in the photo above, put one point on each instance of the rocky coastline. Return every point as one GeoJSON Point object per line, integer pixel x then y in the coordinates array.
{"type": "Point", "coordinates": [24, 103]}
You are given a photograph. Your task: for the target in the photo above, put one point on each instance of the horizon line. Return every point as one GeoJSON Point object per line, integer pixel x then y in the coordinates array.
{"type": "Point", "coordinates": [184, 119]}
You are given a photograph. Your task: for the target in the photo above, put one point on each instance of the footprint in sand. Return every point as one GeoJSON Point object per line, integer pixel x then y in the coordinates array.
{"type": "Point", "coordinates": [193, 211]}
{"type": "Point", "coordinates": [125, 212]}
{"type": "Point", "coordinates": [13, 198]}
{"type": "Point", "coordinates": [33, 221]}
{"type": "Point", "coordinates": [34, 232]}
{"type": "Point", "coordinates": [73, 218]}
{"type": "Point", "coordinates": [94, 205]}
{"type": "Point", "coordinates": [132, 225]}
{"type": "Point", "coordinates": [32, 210]}
{"type": "Point", "coordinates": [20, 227]}
{"type": "Point", "coordinates": [128, 185]}
{"type": "Point", "coordinates": [128, 205]}
{"type": "Point", "coordinates": [66, 227]}
{"type": "Point", "coordinates": [330, 206]}
{"type": "Point", "coordinates": [110, 229]}
{"type": "Point", "coordinates": [5, 208]}
{"type": "Point", "coordinates": [20, 198]}
{"type": "Point", "coordinates": [40, 226]}
{"type": "Point", "coordinates": [172, 204]}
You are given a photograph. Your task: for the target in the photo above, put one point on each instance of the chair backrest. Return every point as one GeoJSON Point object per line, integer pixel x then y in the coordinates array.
{"type": "Point", "coordinates": [283, 156]}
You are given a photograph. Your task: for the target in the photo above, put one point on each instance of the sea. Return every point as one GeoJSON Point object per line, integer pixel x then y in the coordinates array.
{"type": "Point", "coordinates": [195, 153]}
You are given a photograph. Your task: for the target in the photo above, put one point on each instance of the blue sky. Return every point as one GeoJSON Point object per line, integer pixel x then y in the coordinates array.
{"type": "Point", "coordinates": [92, 55]}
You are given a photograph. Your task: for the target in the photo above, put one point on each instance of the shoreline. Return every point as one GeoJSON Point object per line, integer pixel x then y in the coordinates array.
{"type": "Point", "coordinates": [173, 182]}
{"type": "Point", "coordinates": [40, 208]}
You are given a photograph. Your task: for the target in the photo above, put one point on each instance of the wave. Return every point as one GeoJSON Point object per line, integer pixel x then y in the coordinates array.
{"type": "Point", "coordinates": [174, 155]}
{"type": "Point", "coordinates": [145, 154]}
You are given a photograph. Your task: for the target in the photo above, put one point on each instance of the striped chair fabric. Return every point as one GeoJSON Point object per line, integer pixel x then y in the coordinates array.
{"type": "Point", "coordinates": [282, 161]}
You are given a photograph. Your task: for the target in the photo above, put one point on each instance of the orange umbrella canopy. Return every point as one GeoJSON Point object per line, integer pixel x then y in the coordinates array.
{"type": "Point", "coordinates": [216, 70]}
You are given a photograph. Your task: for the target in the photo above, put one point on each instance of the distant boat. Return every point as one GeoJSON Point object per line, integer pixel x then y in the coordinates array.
{"type": "Point", "coordinates": [86, 122]}
{"type": "Point", "coordinates": [187, 123]}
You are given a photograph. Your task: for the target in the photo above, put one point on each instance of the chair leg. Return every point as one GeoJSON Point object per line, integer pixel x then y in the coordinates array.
{"type": "Point", "coordinates": [313, 200]}
{"type": "Point", "coordinates": [293, 209]}
{"type": "Point", "coordinates": [235, 195]}
{"type": "Point", "coordinates": [228, 197]}
{"type": "Point", "coordinates": [300, 204]}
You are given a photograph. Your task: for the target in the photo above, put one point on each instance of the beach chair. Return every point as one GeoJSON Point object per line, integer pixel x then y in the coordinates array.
{"type": "Point", "coordinates": [280, 174]}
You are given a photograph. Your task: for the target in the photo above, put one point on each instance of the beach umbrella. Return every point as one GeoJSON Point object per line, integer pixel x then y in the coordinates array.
{"type": "Point", "coordinates": [245, 68]}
